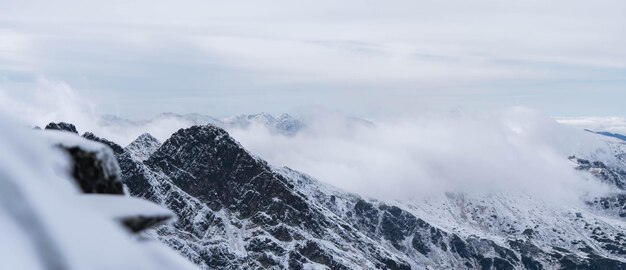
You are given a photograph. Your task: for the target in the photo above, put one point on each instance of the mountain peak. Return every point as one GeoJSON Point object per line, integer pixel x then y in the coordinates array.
{"type": "Point", "coordinates": [143, 147]}
{"type": "Point", "coordinates": [62, 126]}
{"type": "Point", "coordinates": [208, 164]}
{"type": "Point", "coordinates": [204, 134]}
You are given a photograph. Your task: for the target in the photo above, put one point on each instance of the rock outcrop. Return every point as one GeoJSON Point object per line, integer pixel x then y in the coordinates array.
{"type": "Point", "coordinates": [62, 126]}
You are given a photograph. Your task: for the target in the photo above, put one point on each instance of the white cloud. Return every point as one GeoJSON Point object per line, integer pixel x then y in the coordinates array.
{"type": "Point", "coordinates": [46, 101]}
{"type": "Point", "coordinates": [180, 56]}
{"type": "Point", "coordinates": [428, 152]}
{"type": "Point", "coordinates": [354, 42]}
{"type": "Point", "coordinates": [516, 150]}
{"type": "Point", "coordinates": [610, 124]}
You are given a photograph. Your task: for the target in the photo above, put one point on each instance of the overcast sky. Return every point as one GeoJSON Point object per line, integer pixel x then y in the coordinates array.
{"type": "Point", "coordinates": [140, 58]}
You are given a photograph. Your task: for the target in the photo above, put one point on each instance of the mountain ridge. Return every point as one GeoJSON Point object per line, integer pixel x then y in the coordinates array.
{"type": "Point", "coordinates": [238, 212]}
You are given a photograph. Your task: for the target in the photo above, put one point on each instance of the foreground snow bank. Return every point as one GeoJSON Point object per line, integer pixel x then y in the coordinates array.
{"type": "Point", "coordinates": [45, 223]}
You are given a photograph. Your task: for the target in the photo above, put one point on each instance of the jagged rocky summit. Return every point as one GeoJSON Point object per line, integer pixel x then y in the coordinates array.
{"type": "Point", "coordinates": [238, 212]}
{"type": "Point", "coordinates": [62, 126]}
{"type": "Point", "coordinates": [143, 147]}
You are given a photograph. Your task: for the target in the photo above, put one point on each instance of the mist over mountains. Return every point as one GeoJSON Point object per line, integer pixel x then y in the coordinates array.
{"type": "Point", "coordinates": [510, 190]}
{"type": "Point", "coordinates": [236, 210]}
{"type": "Point", "coordinates": [164, 125]}
{"type": "Point", "coordinates": [416, 155]}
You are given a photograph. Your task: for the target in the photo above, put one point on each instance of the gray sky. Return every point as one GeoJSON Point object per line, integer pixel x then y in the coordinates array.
{"type": "Point", "coordinates": [139, 58]}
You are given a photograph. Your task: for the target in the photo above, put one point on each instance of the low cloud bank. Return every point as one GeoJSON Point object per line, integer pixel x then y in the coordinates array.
{"type": "Point", "coordinates": [514, 150]}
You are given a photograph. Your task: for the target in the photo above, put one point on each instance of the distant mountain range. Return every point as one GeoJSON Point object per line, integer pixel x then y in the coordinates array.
{"type": "Point", "coordinates": [610, 134]}
{"type": "Point", "coordinates": [284, 124]}
{"type": "Point", "coordinates": [605, 124]}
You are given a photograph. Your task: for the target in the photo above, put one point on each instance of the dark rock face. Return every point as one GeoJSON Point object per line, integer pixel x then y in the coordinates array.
{"type": "Point", "coordinates": [209, 171]}
{"type": "Point", "coordinates": [225, 170]}
{"type": "Point", "coordinates": [95, 171]}
{"type": "Point", "coordinates": [141, 223]}
{"type": "Point", "coordinates": [91, 173]}
{"type": "Point", "coordinates": [237, 212]}
{"type": "Point", "coordinates": [62, 126]}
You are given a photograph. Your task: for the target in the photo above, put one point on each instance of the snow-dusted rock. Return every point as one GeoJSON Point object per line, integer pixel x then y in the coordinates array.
{"type": "Point", "coordinates": [94, 165]}
{"type": "Point", "coordinates": [143, 147]}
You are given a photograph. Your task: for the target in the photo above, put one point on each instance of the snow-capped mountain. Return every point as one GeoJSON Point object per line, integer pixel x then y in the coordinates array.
{"type": "Point", "coordinates": [238, 212]}
{"type": "Point", "coordinates": [143, 147]}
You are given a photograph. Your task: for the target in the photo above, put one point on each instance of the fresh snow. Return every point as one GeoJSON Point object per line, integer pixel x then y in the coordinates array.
{"type": "Point", "coordinates": [143, 147]}
{"type": "Point", "coordinates": [44, 223]}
